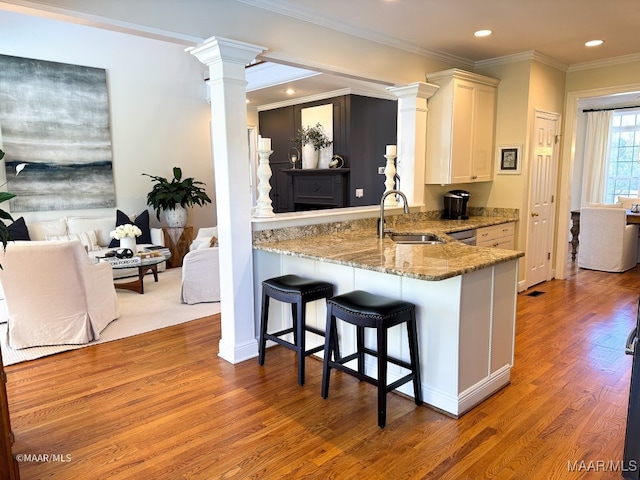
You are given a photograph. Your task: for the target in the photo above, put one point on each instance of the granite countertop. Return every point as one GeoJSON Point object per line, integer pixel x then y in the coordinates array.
{"type": "Point", "coordinates": [361, 248]}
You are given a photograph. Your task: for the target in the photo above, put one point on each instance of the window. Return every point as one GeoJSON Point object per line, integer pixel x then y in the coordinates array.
{"type": "Point", "coordinates": [624, 155]}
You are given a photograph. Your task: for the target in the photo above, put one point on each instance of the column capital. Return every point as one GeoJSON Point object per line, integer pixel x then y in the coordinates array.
{"type": "Point", "coordinates": [416, 89]}
{"type": "Point", "coordinates": [215, 49]}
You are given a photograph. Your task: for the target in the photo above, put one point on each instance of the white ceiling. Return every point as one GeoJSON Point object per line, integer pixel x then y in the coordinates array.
{"type": "Point", "coordinates": [556, 29]}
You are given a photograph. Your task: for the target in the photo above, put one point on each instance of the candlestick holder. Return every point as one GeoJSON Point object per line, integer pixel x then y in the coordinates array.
{"type": "Point", "coordinates": [263, 207]}
{"type": "Point", "coordinates": [389, 183]}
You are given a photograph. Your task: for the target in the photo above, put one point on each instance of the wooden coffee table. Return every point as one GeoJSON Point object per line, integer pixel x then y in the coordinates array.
{"type": "Point", "coordinates": [145, 265]}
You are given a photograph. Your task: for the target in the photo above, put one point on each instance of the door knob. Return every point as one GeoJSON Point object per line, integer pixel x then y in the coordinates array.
{"type": "Point", "coordinates": [534, 214]}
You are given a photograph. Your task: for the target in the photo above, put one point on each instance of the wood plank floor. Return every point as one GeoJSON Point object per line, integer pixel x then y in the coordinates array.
{"type": "Point", "coordinates": [163, 406]}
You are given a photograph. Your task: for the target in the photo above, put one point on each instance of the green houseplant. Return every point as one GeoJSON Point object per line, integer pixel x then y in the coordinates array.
{"type": "Point", "coordinates": [310, 140]}
{"type": "Point", "coordinates": [175, 195]}
{"type": "Point", "coordinates": [315, 136]}
{"type": "Point", "coordinates": [5, 233]}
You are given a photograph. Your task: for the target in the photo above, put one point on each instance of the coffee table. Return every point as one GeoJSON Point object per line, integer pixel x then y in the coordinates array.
{"type": "Point", "coordinates": [145, 265]}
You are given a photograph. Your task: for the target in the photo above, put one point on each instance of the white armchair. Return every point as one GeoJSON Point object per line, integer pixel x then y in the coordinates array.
{"type": "Point", "coordinates": [607, 243]}
{"type": "Point", "coordinates": [55, 295]}
{"type": "Point", "coordinates": [201, 270]}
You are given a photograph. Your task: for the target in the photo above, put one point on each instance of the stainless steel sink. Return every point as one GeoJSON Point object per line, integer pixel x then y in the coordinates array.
{"type": "Point", "coordinates": [416, 238]}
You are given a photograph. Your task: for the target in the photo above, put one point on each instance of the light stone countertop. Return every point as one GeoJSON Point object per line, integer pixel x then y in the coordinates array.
{"type": "Point", "coordinates": [357, 245]}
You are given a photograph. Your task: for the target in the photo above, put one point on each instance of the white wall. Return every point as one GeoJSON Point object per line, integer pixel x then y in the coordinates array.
{"type": "Point", "coordinates": [159, 114]}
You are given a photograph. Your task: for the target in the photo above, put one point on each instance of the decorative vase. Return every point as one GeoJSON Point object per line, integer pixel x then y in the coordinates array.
{"type": "Point", "coordinates": [325, 157]}
{"type": "Point", "coordinates": [176, 217]}
{"type": "Point", "coordinates": [309, 156]}
{"type": "Point", "coordinates": [130, 243]}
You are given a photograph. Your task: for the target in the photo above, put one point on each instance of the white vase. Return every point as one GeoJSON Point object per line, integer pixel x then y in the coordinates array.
{"type": "Point", "coordinates": [309, 156]}
{"type": "Point", "coordinates": [325, 156]}
{"type": "Point", "coordinates": [130, 243]}
{"type": "Point", "coordinates": [176, 217]}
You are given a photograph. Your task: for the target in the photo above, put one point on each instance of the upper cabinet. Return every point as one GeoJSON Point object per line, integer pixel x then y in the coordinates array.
{"type": "Point", "coordinates": [460, 128]}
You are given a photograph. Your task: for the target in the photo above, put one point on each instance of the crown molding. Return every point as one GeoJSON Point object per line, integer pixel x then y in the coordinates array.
{"type": "Point", "coordinates": [522, 57]}
{"type": "Point", "coordinates": [326, 95]}
{"type": "Point", "coordinates": [284, 7]}
{"type": "Point", "coordinates": [606, 62]}
{"type": "Point", "coordinates": [80, 18]}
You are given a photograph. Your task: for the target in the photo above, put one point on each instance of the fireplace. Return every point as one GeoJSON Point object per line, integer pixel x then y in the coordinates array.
{"type": "Point", "coordinates": [314, 189]}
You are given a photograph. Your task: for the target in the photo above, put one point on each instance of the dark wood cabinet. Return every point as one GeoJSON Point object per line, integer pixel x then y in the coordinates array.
{"type": "Point", "coordinates": [362, 127]}
{"type": "Point", "coordinates": [317, 189]}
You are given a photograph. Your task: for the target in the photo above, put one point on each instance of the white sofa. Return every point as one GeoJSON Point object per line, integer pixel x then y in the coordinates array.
{"type": "Point", "coordinates": [44, 307]}
{"type": "Point", "coordinates": [201, 269]}
{"type": "Point", "coordinates": [96, 243]}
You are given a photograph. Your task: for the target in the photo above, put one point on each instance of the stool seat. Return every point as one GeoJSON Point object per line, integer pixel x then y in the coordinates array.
{"type": "Point", "coordinates": [365, 310]}
{"type": "Point", "coordinates": [295, 285]}
{"type": "Point", "coordinates": [298, 291]}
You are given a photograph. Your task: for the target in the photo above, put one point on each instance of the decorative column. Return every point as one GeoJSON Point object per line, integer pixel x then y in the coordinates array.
{"type": "Point", "coordinates": [263, 172]}
{"type": "Point", "coordinates": [412, 137]}
{"type": "Point", "coordinates": [226, 60]}
{"type": "Point", "coordinates": [390, 174]}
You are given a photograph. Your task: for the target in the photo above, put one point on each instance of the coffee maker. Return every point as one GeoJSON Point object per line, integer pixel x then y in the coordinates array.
{"type": "Point", "coordinates": [455, 205]}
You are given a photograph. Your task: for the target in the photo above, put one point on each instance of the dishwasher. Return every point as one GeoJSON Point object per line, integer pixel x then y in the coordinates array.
{"type": "Point", "coordinates": [465, 236]}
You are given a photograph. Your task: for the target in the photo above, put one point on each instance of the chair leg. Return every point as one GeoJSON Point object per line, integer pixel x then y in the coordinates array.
{"type": "Point", "coordinates": [382, 376]}
{"type": "Point", "coordinates": [294, 323]}
{"type": "Point", "coordinates": [263, 328]}
{"type": "Point", "coordinates": [329, 343]}
{"type": "Point", "coordinates": [412, 331]}
{"type": "Point", "coordinates": [299, 332]}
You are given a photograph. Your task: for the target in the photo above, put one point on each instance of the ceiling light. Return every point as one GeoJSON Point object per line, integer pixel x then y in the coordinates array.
{"type": "Point", "coordinates": [289, 91]}
{"type": "Point", "coordinates": [594, 43]}
{"type": "Point", "coordinates": [483, 33]}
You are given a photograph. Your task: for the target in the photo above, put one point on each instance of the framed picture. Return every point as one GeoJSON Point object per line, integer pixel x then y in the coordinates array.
{"type": "Point", "coordinates": [510, 159]}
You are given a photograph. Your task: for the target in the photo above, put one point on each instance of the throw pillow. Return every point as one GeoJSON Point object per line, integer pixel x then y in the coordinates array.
{"type": "Point", "coordinates": [141, 221]}
{"type": "Point", "coordinates": [88, 239]}
{"type": "Point", "coordinates": [19, 230]}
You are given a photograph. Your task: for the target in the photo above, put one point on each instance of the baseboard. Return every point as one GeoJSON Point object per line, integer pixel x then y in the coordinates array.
{"type": "Point", "coordinates": [237, 353]}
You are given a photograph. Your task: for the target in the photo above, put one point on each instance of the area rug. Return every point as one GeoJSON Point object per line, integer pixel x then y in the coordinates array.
{"type": "Point", "coordinates": [157, 308]}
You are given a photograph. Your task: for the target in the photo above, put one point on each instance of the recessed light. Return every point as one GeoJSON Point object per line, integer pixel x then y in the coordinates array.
{"type": "Point", "coordinates": [593, 43]}
{"type": "Point", "coordinates": [482, 33]}
{"type": "Point", "coordinates": [289, 91]}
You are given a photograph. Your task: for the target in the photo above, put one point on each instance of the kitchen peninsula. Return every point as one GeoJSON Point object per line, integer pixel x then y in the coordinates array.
{"type": "Point", "coordinates": [465, 295]}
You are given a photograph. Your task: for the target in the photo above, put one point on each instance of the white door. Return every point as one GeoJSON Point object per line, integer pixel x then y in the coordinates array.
{"type": "Point", "coordinates": [542, 187]}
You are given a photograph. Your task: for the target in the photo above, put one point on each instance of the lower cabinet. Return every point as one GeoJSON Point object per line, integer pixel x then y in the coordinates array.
{"type": "Point", "coordinates": [497, 236]}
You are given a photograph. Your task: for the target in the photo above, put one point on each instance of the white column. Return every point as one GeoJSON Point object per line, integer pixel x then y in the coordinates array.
{"type": "Point", "coordinates": [226, 60]}
{"type": "Point", "coordinates": [412, 137]}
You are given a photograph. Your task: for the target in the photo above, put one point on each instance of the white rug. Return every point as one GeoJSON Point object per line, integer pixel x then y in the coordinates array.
{"type": "Point", "coordinates": [157, 308]}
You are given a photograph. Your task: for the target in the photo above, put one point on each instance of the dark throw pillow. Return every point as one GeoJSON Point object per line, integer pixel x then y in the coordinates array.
{"type": "Point", "coordinates": [142, 222]}
{"type": "Point", "coordinates": [18, 230]}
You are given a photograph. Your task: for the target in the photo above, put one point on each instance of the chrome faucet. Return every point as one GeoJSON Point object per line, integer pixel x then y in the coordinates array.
{"type": "Point", "coordinates": [381, 229]}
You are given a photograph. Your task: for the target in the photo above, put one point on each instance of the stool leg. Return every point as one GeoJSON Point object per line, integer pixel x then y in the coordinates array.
{"type": "Point", "coordinates": [329, 343]}
{"type": "Point", "coordinates": [263, 327]}
{"type": "Point", "coordinates": [336, 343]}
{"type": "Point", "coordinates": [382, 376]}
{"type": "Point", "coordinates": [294, 322]}
{"type": "Point", "coordinates": [360, 348]}
{"type": "Point", "coordinates": [412, 331]}
{"type": "Point", "coordinates": [299, 322]}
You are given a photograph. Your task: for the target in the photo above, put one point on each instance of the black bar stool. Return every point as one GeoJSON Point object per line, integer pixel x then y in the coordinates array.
{"type": "Point", "coordinates": [365, 310]}
{"type": "Point", "coordinates": [297, 291]}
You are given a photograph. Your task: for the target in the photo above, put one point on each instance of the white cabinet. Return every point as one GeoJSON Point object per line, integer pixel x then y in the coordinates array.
{"type": "Point", "coordinates": [460, 128]}
{"type": "Point", "coordinates": [497, 236]}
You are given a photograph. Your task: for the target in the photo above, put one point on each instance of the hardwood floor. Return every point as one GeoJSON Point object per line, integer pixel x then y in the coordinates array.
{"type": "Point", "coordinates": [163, 406]}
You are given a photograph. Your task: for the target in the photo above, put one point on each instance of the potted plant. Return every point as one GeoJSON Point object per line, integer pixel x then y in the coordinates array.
{"type": "Point", "coordinates": [5, 232]}
{"type": "Point", "coordinates": [173, 196]}
{"type": "Point", "coordinates": [310, 140]}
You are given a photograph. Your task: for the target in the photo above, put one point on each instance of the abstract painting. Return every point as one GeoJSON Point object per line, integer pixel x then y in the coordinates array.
{"type": "Point", "coordinates": [55, 117]}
